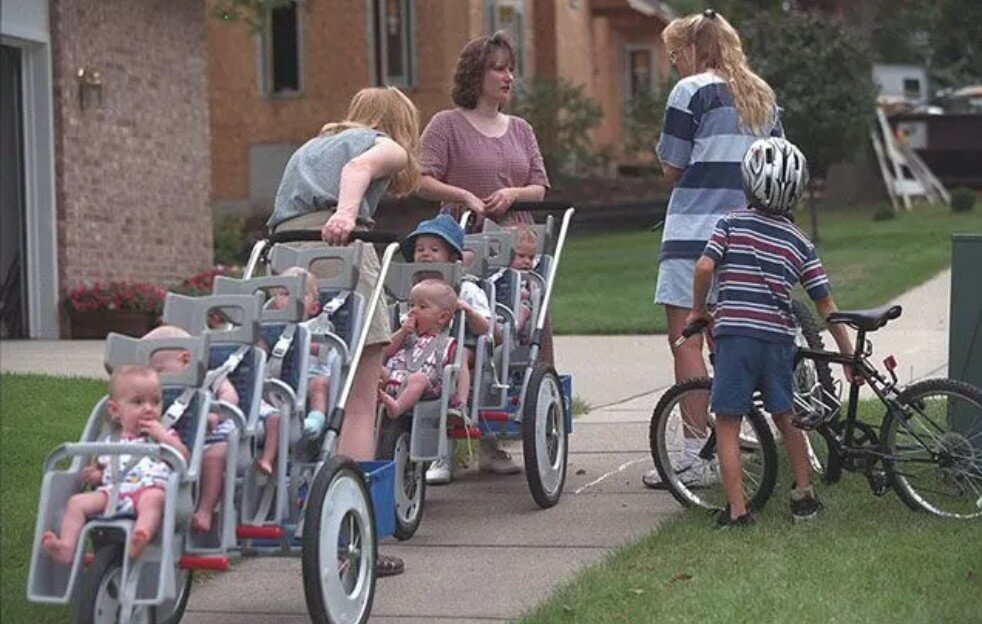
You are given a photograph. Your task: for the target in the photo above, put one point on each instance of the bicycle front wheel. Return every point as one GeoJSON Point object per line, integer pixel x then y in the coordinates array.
{"type": "Point", "coordinates": [683, 447]}
{"type": "Point", "coordinates": [932, 448]}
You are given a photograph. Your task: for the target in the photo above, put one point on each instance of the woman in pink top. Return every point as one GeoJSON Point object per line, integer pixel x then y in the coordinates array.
{"type": "Point", "coordinates": [475, 157]}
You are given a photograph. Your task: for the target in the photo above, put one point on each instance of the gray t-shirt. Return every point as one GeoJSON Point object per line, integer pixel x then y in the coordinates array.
{"type": "Point", "coordinates": [312, 176]}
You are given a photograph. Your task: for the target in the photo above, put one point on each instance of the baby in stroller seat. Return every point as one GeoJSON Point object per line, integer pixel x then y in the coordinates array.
{"type": "Point", "coordinates": [524, 245]}
{"type": "Point", "coordinates": [419, 349]}
{"type": "Point", "coordinates": [135, 400]}
{"type": "Point", "coordinates": [320, 364]}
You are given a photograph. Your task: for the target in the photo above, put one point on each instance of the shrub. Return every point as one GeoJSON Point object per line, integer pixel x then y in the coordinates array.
{"type": "Point", "coordinates": [227, 238]}
{"type": "Point", "coordinates": [884, 213]}
{"type": "Point", "coordinates": [962, 199]}
{"type": "Point", "coordinates": [135, 296]}
{"type": "Point", "coordinates": [643, 119]}
{"type": "Point", "coordinates": [200, 284]}
{"type": "Point", "coordinates": [562, 117]}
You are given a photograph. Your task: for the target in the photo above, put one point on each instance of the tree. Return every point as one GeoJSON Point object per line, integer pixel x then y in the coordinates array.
{"type": "Point", "coordinates": [562, 115]}
{"type": "Point", "coordinates": [821, 72]}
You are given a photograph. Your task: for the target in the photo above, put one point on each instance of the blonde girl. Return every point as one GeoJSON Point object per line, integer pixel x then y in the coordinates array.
{"type": "Point", "coordinates": [333, 184]}
{"type": "Point", "coordinates": [713, 114]}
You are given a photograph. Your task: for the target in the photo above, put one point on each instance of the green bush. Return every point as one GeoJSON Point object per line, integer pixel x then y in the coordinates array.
{"type": "Point", "coordinates": [643, 119]}
{"type": "Point", "coordinates": [227, 236]}
{"type": "Point", "coordinates": [884, 213]}
{"type": "Point", "coordinates": [962, 199]}
{"type": "Point", "coordinates": [562, 116]}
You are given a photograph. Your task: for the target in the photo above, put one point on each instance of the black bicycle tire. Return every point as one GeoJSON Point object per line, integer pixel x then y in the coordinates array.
{"type": "Point", "coordinates": [897, 480]}
{"type": "Point", "coordinates": [663, 464]}
{"type": "Point", "coordinates": [805, 320]}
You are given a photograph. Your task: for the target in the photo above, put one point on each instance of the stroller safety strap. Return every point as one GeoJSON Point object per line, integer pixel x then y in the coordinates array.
{"type": "Point", "coordinates": [213, 380]}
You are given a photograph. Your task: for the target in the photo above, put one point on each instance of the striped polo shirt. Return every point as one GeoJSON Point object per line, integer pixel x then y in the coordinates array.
{"type": "Point", "coordinates": [759, 258]}
{"type": "Point", "coordinates": [702, 136]}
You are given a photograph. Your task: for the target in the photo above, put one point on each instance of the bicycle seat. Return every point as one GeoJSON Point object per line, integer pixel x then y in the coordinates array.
{"type": "Point", "coordinates": [866, 320]}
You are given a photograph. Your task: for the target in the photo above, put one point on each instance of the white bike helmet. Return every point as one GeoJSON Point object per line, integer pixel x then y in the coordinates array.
{"type": "Point", "coordinates": [775, 174]}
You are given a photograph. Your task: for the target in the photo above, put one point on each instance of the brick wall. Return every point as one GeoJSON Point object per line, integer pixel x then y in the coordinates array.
{"type": "Point", "coordinates": [334, 66]}
{"type": "Point", "coordinates": [133, 172]}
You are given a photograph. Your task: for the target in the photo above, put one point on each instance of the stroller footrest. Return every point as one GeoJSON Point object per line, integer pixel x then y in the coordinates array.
{"type": "Point", "coordinates": [245, 531]}
{"type": "Point", "coordinates": [463, 434]}
{"type": "Point", "coordinates": [494, 415]}
{"type": "Point", "coordinates": [192, 562]}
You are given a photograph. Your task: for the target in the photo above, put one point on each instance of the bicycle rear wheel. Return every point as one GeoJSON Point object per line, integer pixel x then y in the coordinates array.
{"type": "Point", "coordinates": [685, 452]}
{"type": "Point", "coordinates": [933, 448]}
{"type": "Point", "coordinates": [821, 454]}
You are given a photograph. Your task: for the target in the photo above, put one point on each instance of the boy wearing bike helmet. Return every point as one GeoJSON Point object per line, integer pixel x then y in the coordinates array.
{"type": "Point", "coordinates": [758, 255]}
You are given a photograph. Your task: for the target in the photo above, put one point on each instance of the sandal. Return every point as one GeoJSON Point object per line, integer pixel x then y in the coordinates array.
{"type": "Point", "coordinates": [388, 565]}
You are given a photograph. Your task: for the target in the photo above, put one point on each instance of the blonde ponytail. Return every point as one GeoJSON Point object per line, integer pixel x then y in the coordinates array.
{"type": "Point", "coordinates": [718, 48]}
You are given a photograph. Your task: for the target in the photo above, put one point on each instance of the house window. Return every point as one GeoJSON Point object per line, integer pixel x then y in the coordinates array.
{"type": "Point", "coordinates": [393, 49]}
{"type": "Point", "coordinates": [640, 75]}
{"type": "Point", "coordinates": [912, 88]}
{"type": "Point", "coordinates": [509, 16]}
{"type": "Point", "coordinates": [281, 51]}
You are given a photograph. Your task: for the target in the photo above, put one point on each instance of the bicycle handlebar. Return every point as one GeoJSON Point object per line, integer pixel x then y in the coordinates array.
{"type": "Point", "coordinates": [691, 330]}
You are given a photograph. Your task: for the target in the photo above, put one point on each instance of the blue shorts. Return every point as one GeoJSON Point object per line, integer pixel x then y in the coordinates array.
{"type": "Point", "coordinates": [744, 364]}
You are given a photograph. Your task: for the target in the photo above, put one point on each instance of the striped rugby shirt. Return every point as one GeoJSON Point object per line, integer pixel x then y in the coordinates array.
{"type": "Point", "coordinates": [759, 258]}
{"type": "Point", "coordinates": [702, 136]}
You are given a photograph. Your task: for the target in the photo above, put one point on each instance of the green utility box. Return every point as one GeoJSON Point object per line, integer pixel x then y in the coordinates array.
{"type": "Point", "coordinates": [965, 329]}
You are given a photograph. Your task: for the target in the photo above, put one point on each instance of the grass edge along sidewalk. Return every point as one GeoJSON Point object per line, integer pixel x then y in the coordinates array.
{"type": "Point", "coordinates": [606, 282]}
{"type": "Point", "coordinates": [864, 559]}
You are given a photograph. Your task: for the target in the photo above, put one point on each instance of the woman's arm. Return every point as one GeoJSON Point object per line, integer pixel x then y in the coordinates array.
{"type": "Point", "coordinates": [499, 202]}
{"type": "Point", "coordinates": [671, 173]}
{"type": "Point", "coordinates": [431, 188]}
{"type": "Point", "coordinates": [385, 158]}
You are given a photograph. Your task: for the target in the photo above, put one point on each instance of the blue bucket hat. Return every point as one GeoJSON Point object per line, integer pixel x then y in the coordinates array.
{"type": "Point", "coordinates": [443, 227]}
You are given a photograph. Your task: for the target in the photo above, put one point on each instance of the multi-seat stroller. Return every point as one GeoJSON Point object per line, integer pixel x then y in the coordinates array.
{"type": "Point", "coordinates": [316, 504]}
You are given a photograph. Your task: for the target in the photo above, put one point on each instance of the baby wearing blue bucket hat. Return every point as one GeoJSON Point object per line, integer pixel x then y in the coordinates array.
{"type": "Point", "coordinates": [441, 239]}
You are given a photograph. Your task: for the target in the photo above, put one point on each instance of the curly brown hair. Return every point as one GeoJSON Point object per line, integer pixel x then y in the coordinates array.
{"type": "Point", "coordinates": [473, 62]}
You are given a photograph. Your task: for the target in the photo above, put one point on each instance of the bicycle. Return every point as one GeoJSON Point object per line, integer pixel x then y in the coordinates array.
{"type": "Point", "coordinates": [928, 447]}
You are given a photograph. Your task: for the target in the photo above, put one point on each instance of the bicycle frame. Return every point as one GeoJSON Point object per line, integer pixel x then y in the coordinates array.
{"type": "Point", "coordinates": [885, 389]}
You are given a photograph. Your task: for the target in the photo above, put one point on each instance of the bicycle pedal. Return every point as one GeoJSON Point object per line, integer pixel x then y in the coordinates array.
{"type": "Point", "coordinates": [878, 484]}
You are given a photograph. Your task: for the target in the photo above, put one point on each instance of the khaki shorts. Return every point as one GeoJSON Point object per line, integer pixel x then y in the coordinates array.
{"type": "Point", "coordinates": [368, 274]}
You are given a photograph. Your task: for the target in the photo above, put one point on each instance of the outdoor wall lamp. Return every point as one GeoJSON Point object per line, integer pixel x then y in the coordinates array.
{"type": "Point", "coordinates": [89, 87]}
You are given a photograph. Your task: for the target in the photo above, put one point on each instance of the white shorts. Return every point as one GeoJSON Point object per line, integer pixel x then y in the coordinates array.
{"type": "Point", "coordinates": [674, 285]}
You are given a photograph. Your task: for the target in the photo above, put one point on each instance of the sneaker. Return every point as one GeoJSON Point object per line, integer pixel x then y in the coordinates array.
{"type": "Point", "coordinates": [313, 424]}
{"type": "Point", "coordinates": [724, 521]}
{"type": "Point", "coordinates": [652, 479]}
{"type": "Point", "coordinates": [699, 473]}
{"type": "Point", "coordinates": [492, 458]}
{"type": "Point", "coordinates": [439, 472]}
{"type": "Point", "coordinates": [804, 504]}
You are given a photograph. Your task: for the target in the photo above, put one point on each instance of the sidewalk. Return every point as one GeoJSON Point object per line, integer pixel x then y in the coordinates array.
{"type": "Point", "coordinates": [484, 551]}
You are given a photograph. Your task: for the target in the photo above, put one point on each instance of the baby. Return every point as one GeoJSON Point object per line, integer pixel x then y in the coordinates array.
{"type": "Point", "coordinates": [168, 361]}
{"type": "Point", "coordinates": [134, 406]}
{"type": "Point", "coordinates": [523, 249]}
{"type": "Point", "coordinates": [320, 362]}
{"type": "Point", "coordinates": [419, 349]}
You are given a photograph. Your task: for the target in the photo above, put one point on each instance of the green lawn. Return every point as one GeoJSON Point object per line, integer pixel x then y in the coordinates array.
{"type": "Point", "coordinates": [607, 281]}
{"type": "Point", "coordinates": [865, 559]}
{"type": "Point", "coordinates": [36, 414]}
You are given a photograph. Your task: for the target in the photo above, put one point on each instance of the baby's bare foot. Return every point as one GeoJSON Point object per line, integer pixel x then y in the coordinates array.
{"type": "Point", "coordinates": [57, 549]}
{"type": "Point", "coordinates": [390, 405]}
{"type": "Point", "coordinates": [201, 521]}
{"type": "Point", "coordinates": [137, 542]}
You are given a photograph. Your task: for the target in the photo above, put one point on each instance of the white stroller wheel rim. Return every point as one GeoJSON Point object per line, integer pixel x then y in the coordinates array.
{"type": "Point", "coordinates": [550, 438]}
{"type": "Point", "coordinates": [344, 550]}
{"type": "Point", "coordinates": [408, 474]}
